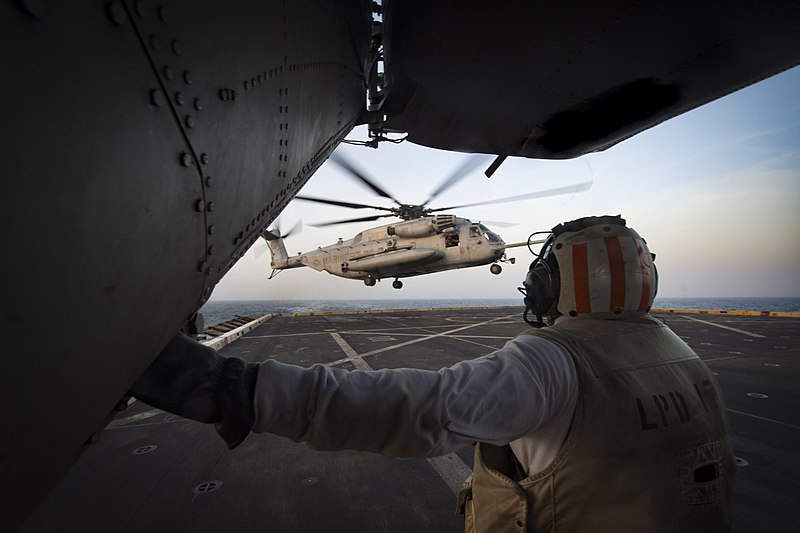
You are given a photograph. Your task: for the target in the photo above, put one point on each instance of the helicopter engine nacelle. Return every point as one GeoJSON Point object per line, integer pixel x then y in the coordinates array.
{"type": "Point", "coordinates": [413, 228]}
{"type": "Point", "coordinates": [423, 227]}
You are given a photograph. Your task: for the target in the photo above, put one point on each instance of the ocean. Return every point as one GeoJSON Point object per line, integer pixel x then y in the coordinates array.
{"type": "Point", "coordinates": [217, 311]}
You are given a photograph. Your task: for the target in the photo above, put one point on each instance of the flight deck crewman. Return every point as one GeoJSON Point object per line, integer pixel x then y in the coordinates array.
{"type": "Point", "coordinates": [603, 421]}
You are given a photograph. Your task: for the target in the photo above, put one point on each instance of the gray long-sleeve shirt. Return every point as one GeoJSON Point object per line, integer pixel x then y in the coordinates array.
{"type": "Point", "coordinates": [523, 394]}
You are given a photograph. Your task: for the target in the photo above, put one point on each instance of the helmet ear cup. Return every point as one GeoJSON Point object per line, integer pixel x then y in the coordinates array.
{"type": "Point", "coordinates": [541, 288]}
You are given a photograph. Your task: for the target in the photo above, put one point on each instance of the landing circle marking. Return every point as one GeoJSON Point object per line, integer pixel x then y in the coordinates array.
{"type": "Point", "coordinates": [207, 486]}
{"type": "Point", "coordinates": [141, 450]}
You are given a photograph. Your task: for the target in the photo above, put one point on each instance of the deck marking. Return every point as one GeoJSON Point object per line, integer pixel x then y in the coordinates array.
{"type": "Point", "coordinates": [451, 468]}
{"type": "Point", "coordinates": [392, 321]}
{"type": "Point", "coordinates": [304, 334]}
{"type": "Point", "coordinates": [377, 333]}
{"type": "Point", "coordinates": [351, 354]}
{"type": "Point", "coordinates": [421, 328]}
{"type": "Point", "coordinates": [743, 332]}
{"type": "Point", "coordinates": [504, 337]}
{"type": "Point", "coordinates": [133, 418]}
{"type": "Point", "coordinates": [763, 418]}
{"type": "Point", "coordinates": [721, 358]}
{"type": "Point", "coordinates": [465, 339]}
{"type": "Point", "coordinates": [443, 334]}
{"type": "Point", "coordinates": [151, 424]}
{"type": "Point", "coordinates": [467, 320]}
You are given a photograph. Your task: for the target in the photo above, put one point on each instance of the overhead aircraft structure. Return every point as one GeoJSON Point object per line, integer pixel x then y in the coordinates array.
{"type": "Point", "coordinates": [148, 143]}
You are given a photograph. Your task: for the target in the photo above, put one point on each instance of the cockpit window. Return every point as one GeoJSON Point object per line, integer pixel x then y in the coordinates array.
{"type": "Point", "coordinates": [474, 231]}
{"type": "Point", "coordinates": [490, 236]}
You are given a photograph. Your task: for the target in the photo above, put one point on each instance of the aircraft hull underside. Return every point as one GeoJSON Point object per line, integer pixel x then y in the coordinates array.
{"type": "Point", "coordinates": [560, 79]}
{"type": "Point", "coordinates": [150, 143]}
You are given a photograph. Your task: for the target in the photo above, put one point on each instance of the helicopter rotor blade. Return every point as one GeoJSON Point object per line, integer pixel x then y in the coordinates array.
{"type": "Point", "coordinates": [470, 163]}
{"type": "Point", "coordinates": [340, 203]}
{"type": "Point", "coordinates": [343, 162]}
{"type": "Point", "coordinates": [260, 248]}
{"type": "Point", "coordinates": [274, 233]}
{"type": "Point", "coordinates": [567, 189]}
{"type": "Point", "coordinates": [362, 219]}
{"type": "Point", "coordinates": [296, 228]}
{"type": "Point", "coordinates": [499, 224]}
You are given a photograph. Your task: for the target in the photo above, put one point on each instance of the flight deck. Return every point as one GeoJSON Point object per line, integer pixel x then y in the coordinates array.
{"type": "Point", "coordinates": [153, 471]}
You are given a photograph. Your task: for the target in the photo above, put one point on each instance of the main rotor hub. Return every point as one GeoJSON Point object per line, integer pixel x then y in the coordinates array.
{"type": "Point", "coordinates": [410, 212]}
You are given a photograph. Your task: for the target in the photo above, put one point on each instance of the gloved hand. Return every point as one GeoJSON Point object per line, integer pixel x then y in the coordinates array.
{"type": "Point", "coordinates": [191, 380]}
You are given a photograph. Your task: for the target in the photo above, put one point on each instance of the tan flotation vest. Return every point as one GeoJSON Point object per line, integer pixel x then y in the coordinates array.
{"type": "Point", "coordinates": [648, 448]}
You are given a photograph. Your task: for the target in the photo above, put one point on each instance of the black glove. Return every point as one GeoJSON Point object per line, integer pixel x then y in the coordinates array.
{"type": "Point", "coordinates": [192, 380]}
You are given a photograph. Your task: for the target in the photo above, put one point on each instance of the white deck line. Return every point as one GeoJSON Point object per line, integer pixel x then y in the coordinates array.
{"type": "Point", "coordinates": [451, 468]}
{"type": "Point", "coordinates": [763, 418]}
{"type": "Point", "coordinates": [443, 334]}
{"type": "Point", "coordinates": [743, 332]}
{"type": "Point", "coordinates": [133, 418]}
{"type": "Point", "coordinates": [351, 354]}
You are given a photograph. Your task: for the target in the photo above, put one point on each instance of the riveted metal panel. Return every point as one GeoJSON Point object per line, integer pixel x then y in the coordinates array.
{"type": "Point", "coordinates": [139, 169]}
{"type": "Point", "coordinates": [257, 135]}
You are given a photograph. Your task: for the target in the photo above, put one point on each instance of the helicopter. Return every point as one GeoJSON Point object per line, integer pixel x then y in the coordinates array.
{"type": "Point", "coordinates": [421, 243]}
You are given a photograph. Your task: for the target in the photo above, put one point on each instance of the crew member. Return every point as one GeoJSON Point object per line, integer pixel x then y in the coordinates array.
{"type": "Point", "coordinates": [603, 421]}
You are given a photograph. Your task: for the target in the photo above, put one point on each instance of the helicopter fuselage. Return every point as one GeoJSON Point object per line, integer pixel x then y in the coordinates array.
{"type": "Point", "coordinates": [404, 249]}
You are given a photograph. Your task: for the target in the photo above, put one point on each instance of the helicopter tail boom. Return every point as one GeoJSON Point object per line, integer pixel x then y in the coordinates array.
{"type": "Point", "coordinates": [280, 258]}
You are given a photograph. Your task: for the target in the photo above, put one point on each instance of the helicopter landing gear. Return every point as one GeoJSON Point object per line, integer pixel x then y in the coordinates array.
{"type": "Point", "coordinates": [369, 282]}
{"type": "Point", "coordinates": [397, 284]}
{"type": "Point", "coordinates": [495, 269]}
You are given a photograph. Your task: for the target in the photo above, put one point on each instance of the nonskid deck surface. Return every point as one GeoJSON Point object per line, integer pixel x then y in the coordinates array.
{"type": "Point", "coordinates": [152, 471]}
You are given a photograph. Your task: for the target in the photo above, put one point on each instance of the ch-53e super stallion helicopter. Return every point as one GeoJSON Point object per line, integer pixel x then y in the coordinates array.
{"type": "Point", "coordinates": [422, 243]}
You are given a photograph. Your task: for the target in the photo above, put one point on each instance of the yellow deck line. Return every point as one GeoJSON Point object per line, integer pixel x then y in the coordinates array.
{"type": "Point", "coordinates": [732, 312]}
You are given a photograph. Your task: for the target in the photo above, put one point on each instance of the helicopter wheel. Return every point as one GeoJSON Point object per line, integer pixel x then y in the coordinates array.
{"type": "Point", "coordinates": [495, 269]}
{"type": "Point", "coordinates": [369, 282]}
{"type": "Point", "coordinates": [397, 284]}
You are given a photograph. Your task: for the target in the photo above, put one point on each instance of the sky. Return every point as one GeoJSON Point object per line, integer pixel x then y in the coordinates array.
{"type": "Point", "coordinates": [715, 192]}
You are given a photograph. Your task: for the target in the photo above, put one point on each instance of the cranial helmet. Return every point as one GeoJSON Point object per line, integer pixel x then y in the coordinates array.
{"type": "Point", "coordinates": [592, 267]}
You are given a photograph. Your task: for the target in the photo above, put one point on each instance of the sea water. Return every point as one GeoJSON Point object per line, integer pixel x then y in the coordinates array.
{"type": "Point", "coordinates": [217, 311]}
